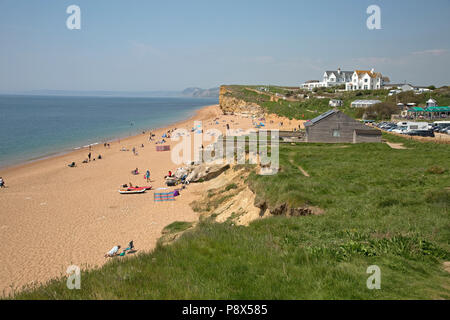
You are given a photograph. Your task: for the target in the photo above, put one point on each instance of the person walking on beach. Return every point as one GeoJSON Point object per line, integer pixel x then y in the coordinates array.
{"type": "Point", "coordinates": [89, 156]}
{"type": "Point", "coordinates": [147, 175]}
{"type": "Point", "coordinates": [2, 183]}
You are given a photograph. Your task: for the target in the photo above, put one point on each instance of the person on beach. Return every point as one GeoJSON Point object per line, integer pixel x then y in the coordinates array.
{"type": "Point", "coordinates": [112, 252]}
{"type": "Point", "coordinates": [129, 248]}
{"type": "Point", "coordinates": [130, 245]}
{"type": "Point", "coordinates": [147, 175]}
{"type": "Point", "coordinates": [2, 183]}
{"type": "Point", "coordinates": [89, 156]}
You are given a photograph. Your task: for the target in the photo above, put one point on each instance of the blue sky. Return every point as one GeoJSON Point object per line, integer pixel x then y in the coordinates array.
{"type": "Point", "coordinates": [170, 45]}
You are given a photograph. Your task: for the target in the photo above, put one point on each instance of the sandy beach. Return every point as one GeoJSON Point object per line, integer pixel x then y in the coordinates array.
{"type": "Point", "coordinates": [54, 216]}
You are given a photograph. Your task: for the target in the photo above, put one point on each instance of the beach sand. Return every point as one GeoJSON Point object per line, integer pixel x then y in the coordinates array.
{"type": "Point", "coordinates": [54, 216]}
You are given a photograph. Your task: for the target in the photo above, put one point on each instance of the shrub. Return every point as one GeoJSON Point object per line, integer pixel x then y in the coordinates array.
{"type": "Point", "coordinates": [436, 170]}
{"type": "Point", "coordinates": [231, 186]}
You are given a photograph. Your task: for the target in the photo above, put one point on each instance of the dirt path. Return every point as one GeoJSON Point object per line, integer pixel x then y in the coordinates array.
{"type": "Point", "coordinates": [395, 145]}
{"type": "Point", "coordinates": [306, 174]}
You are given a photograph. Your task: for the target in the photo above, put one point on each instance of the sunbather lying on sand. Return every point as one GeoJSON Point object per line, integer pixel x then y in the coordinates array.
{"type": "Point", "coordinates": [129, 248]}
{"type": "Point", "coordinates": [112, 252]}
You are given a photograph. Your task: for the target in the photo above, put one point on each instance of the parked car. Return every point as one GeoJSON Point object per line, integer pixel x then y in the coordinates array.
{"type": "Point", "coordinates": [443, 129]}
{"type": "Point", "coordinates": [400, 129]}
{"type": "Point", "coordinates": [420, 133]}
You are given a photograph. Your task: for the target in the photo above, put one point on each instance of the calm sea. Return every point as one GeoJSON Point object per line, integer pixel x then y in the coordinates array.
{"type": "Point", "coordinates": [32, 127]}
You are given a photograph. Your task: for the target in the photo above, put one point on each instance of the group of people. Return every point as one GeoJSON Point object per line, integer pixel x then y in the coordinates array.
{"type": "Point", "coordinates": [89, 158]}
{"type": "Point", "coordinates": [114, 251]}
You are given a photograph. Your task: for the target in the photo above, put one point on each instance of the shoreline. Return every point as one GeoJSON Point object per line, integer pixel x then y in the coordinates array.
{"type": "Point", "coordinates": [57, 154]}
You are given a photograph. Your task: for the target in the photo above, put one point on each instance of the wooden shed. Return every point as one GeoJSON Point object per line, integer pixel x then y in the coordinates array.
{"type": "Point", "coordinates": [336, 127]}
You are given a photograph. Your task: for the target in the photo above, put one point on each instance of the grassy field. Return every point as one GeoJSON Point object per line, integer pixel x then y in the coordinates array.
{"type": "Point", "coordinates": [382, 207]}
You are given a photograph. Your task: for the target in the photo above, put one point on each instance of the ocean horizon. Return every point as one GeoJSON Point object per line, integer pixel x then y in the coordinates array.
{"type": "Point", "coordinates": [39, 126]}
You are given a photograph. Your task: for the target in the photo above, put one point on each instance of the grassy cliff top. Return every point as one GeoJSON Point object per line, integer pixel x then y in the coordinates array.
{"type": "Point", "coordinates": [296, 106]}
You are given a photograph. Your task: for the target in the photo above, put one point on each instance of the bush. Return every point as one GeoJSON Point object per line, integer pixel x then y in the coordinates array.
{"type": "Point", "coordinates": [381, 111]}
{"type": "Point", "coordinates": [436, 170]}
{"type": "Point", "coordinates": [231, 186]}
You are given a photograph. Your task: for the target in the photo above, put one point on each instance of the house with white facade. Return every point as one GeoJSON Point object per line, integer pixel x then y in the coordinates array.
{"type": "Point", "coordinates": [365, 80]}
{"type": "Point", "coordinates": [336, 78]}
{"type": "Point", "coordinates": [353, 80]}
{"type": "Point", "coordinates": [431, 103]}
{"type": "Point", "coordinates": [335, 103]}
{"type": "Point", "coordinates": [311, 84]}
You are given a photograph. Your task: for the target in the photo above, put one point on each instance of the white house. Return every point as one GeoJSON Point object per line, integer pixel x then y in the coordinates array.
{"type": "Point", "coordinates": [403, 87]}
{"type": "Point", "coordinates": [353, 80]}
{"type": "Point", "coordinates": [335, 103]}
{"type": "Point", "coordinates": [311, 84]}
{"type": "Point", "coordinates": [336, 78]}
{"type": "Point", "coordinates": [431, 103]}
{"type": "Point", "coordinates": [365, 80]}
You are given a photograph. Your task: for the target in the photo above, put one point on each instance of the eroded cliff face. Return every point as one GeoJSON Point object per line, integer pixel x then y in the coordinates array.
{"type": "Point", "coordinates": [232, 105]}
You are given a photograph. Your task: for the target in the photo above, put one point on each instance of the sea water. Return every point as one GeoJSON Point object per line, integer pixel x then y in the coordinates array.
{"type": "Point", "coordinates": [33, 127]}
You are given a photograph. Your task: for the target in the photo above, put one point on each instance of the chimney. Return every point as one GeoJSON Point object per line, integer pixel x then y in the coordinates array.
{"type": "Point", "coordinates": [372, 70]}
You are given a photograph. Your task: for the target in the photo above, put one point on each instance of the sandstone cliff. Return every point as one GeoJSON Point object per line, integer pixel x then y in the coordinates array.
{"type": "Point", "coordinates": [229, 104]}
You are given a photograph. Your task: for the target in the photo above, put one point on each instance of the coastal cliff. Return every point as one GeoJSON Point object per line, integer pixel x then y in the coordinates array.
{"type": "Point", "coordinates": [231, 104]}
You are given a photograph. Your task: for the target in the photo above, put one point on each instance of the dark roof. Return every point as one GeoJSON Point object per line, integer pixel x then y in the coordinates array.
{"type": "Point", "coordinates": [348, 73]}
{"type": "Point", "coordinates": [369, 131]}
{"type": "Point", "coordinates": [321, 117]}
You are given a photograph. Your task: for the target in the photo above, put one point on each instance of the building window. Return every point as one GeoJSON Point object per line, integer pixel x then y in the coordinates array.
{"type": "Point", "coordinates": [365, 80]}
{"type": "Point", "coordinates": [336, 133]}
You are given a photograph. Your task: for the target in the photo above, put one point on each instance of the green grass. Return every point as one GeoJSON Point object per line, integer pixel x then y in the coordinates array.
{"type": "Point", "coordinates": [382, 207]}
{"type": "Point", "coordinates": [177, 226]}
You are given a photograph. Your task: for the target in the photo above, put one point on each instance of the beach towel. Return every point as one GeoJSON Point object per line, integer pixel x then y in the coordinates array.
{"type": "Point", "coordinates": [163, 196]}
